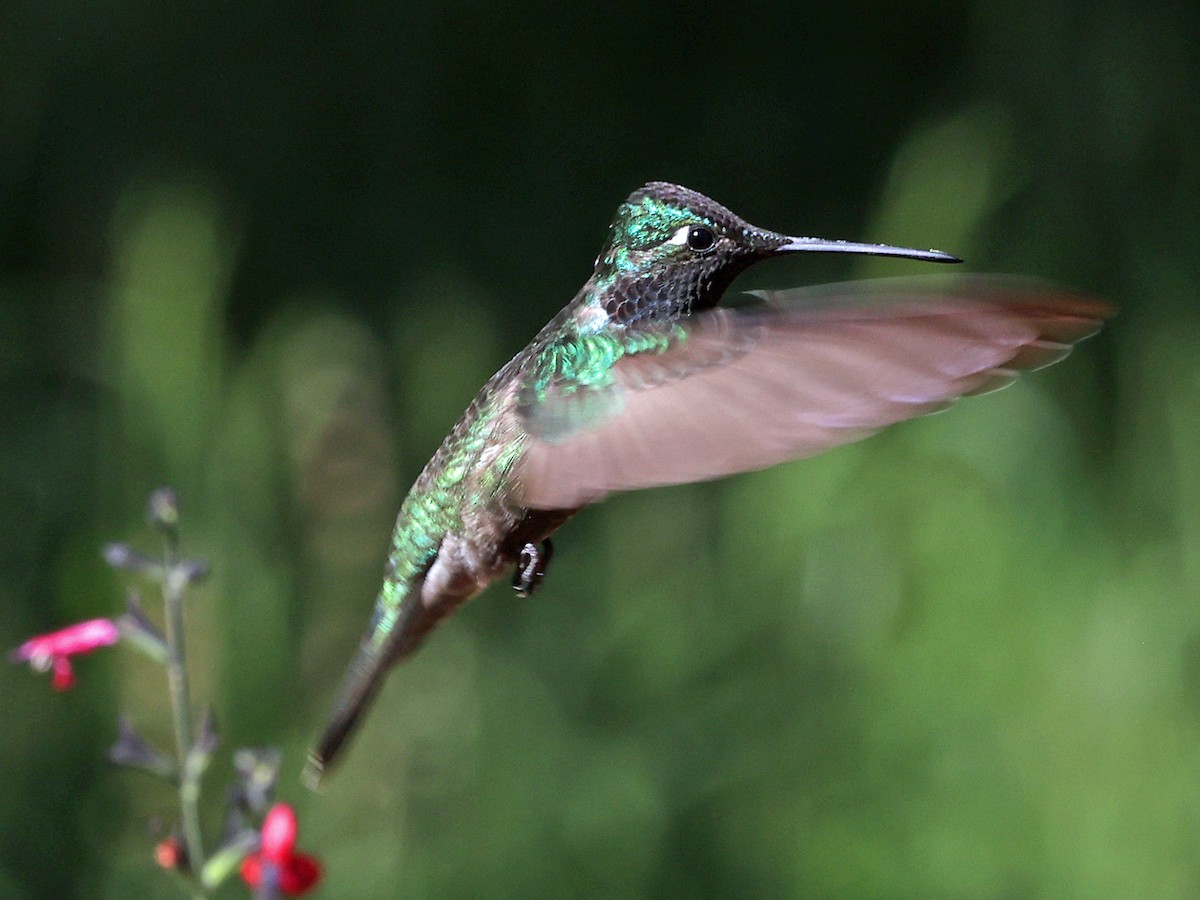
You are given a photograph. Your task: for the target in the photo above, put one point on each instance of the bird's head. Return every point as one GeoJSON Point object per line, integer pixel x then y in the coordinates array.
{"type": "Point", "coordinates": [672, 251]}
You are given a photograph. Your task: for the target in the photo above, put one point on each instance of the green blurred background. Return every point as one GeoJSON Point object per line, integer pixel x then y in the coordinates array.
{"type": "Point", "coordinates": [266, 252]}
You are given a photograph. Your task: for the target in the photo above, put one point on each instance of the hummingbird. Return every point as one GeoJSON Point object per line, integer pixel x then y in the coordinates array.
{"type": "Point", "coordinates": [645, 379]}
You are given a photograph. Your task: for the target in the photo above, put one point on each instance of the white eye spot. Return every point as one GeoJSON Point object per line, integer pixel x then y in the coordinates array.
{"type": "Point", "coordinates": [679, 238]}
{"type": "Point", "coordinates": [698, 238]}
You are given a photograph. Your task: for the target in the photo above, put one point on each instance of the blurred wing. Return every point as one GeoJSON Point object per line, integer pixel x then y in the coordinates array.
{"type": "Point", "coordinates": [737, 389]}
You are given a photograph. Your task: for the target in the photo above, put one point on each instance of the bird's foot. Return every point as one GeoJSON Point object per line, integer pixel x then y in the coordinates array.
{"type": "Point", "coordinates": [531, 567]}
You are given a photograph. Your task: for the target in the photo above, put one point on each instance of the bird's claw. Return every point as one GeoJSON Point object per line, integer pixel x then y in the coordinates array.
{"type": "Point", "coordinates": [531, 567]}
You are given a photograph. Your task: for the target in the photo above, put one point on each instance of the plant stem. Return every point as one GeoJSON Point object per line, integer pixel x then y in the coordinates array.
{"type": "Point", "coordinates": [173, 587]}
{"type": "Point", "coordinates": [268, 889]}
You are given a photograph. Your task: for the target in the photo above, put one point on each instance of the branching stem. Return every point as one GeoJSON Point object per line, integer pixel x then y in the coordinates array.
{"type": "Point", "coordinates": [173, 589]}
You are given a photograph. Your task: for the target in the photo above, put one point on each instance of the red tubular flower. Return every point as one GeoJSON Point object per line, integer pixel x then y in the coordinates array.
{"type": "Point", "coordinates": [295, 872]}
{"type": "Point", "coordinates": [169, 854]}
{"type": "Point", "coordinates": [53, 651]}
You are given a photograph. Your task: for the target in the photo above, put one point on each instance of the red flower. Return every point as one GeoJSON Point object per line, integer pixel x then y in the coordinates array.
{"type": "Point", "coordinates": [294, 872]}
{"type": "Point", "coordinates": [169, 854]}
{"type": "Point", "coordinates": [54, 650]}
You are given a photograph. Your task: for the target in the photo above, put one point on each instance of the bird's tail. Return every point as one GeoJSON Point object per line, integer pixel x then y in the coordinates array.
{"type": "Point", "coordinates": [384, 643]}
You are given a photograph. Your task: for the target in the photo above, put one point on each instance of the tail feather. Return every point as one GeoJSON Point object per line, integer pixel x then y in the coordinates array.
{"type": "Point", "coordinates": [363, 679]}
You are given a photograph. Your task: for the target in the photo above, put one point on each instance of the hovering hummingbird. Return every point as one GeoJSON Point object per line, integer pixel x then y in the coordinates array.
{"type": "Point", "coordinates": [642, 380]}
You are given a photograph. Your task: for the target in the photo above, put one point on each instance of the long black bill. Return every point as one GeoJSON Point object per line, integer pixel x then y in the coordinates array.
{"type": "Point", "coordinates": [819, 245]}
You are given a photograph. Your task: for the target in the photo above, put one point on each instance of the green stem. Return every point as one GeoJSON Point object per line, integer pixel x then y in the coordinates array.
{"type": "Point", "coordinates": [174, 583]}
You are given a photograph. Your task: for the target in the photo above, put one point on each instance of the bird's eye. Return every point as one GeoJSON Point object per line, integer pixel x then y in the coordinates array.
{"type": "Point", "coordinates": [701, 239]}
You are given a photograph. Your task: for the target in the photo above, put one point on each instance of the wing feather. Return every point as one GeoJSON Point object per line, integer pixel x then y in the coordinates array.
{"type": "Point", "coordinates": [800, 373]}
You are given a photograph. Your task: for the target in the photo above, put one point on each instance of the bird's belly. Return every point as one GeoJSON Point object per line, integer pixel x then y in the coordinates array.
{"type": "Point", "coordinates": [460, 572]}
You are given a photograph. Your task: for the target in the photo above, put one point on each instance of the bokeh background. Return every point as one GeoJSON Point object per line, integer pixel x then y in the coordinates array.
{"type": "Point", "coordinates": [265, 252]}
